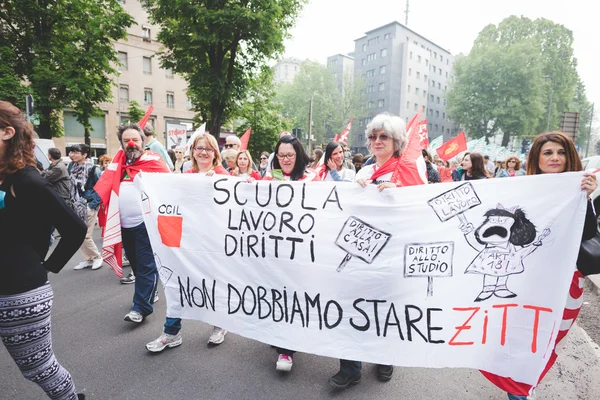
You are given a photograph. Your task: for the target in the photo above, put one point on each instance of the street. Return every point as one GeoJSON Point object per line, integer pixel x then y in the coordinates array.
{"type": "Point", "coordinates": [108, 359]}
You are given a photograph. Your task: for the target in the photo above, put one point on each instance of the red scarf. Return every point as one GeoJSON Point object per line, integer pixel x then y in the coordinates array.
{"type": "Point", "coordinates": [389, 166]}
{"type": "Point", "coordinates": [322, 172]}
{"type": "Point", "coordinates": [108, 189]}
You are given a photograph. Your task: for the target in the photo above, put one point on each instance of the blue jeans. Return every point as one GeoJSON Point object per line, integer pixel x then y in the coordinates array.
{"type": "Point", "coordinates": [515, 397]}
{"type": "Point", "coordinates": [172, 326]}
{"type": "Point", "coordinates": [352, 368]}
{"type": "Point", "coordinates": [141, 257]}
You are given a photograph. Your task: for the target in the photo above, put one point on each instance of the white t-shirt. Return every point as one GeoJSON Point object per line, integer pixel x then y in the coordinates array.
{"type": "Point", "coordinates": [368, 171]}
{"type": "Point", "coordinates": [130, 206]}
{"type": "Point", "coordinates": [346, 174]}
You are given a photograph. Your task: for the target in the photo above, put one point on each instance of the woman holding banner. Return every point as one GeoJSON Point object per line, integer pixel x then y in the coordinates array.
{"type": "Point", "coordinates": [292, 162]}
{"type": "Point", "coordinates": [206, 160]}
{"type": "Point", "coordinates": [333, 166]}
{"type": "Point", "coordinates": [554, 153]}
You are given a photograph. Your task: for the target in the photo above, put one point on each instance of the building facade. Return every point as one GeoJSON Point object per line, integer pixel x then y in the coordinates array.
{"type": "Point", "coordinates": [342, 67]}
{"type": "Point", "coordinates": [285, 70]}
{"type": "Point", "coordinates": [403, 72]}
{"type": "Point", "coordinates": [141, 79]}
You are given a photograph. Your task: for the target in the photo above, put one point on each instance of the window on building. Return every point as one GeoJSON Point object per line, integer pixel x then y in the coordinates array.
{"type": "Point", "coordinates": [418, 75]}
{"type": "Point", "coordinates": [410, 55]}
{"type": "Point", "coordinates": [437, 114]}
{"type": "Point", "coordinates": [371, 89]}
{"type": "Point", "coordinates": [371, 57]}
{"type": "Point", "coordinates": [438, 100]}
{"type": "Point", "coordinates": [188, 103]}
{"type": "Point", "coordinates": [408, 88]}
{"type": "Point", "coordinates": [364, 47]}
{"type": "Point", "coordinates": [408, 104]}
{"type": "Point", "coordinates": [431, 97]}
{"type": "Point", "coordinates": [333, 62]}
{"type": "Point", "coordinates": [440, 71]}
{"type": "Point", "coordinates": [430, 113]}
{"type": "Point", "coordinates": [433, 83]}
{"type": "Point", "coordinates": [370, 73]}
{"type": "Point", "coordinates": [446, 74]}
{"type": "Point", "coordinates": [425, 93]}
{"type": "Point", "coordinates": [383, 52]}
{"type": "Point", "coordinates": [410, 72]}
{"type": "Point", "coordinates": [434, 69]}
{"type": "Point", "coordinates": [434, 54]}
{"type": "Point", "coordinates": [417, 91]}
{"type": "Point", "coordinates": [146, 34]}
{"type": "Point", "coordinates": [147, 65]}
{"type": "Point", "coordinates": [415, 42]}
{"type": "Point", "coordinates": [445, 88]}
{"type": "Point", "coordinates": [441, 58]}
{"type": "Point", "coordinates": [169, 73]}
{"type": "Point", "coordinates": [387, 36]}
{"type": "Point", "coordinates": [123, 61]}
{"type": "Point", "coordinates": [363, 61]}
{"type": "Point", "coordinates": [442, 128]}
{"type": "Point", "coordinates": [124, 93]}
{"type": "Point", "coordinates": [170, 100]}
{"type": "Point", "coordinates": [447, 64]}
{"type": "Point", "coordinates": [380, 103]}
{"type": "Point", "coordinates": [425, 78]}
{"type": "Point", "coordinates": [382, 70]}
{"type": "Point", "coordinates": [426, 62]}
{"type": "Point", "coordinates": [419, 59]}
{"type": "Point", "coordinates": [147, 96]}
{"type": "Point", "coordinates": [416, 107]}
{"type": "Point", "coordinates": [439, 86]}
{"type": "Point", "coordinates": [444, 116]}
{"type": "Point", "coordinates": [436, 127]}
{"type": "Point", "coordinates": [370, 104]}
{"type": "Point", "coordinates": [430, 127]}
{"type": "Point", "coordinates": [382, 86]}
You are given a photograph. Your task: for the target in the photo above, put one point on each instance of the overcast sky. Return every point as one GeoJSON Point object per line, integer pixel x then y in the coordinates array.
{"type": "Point", "coordinates": [328, 27]}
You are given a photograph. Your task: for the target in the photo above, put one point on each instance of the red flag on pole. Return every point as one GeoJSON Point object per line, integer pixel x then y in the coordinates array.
{"type": "Point", "coordinates": [245, 139]}
{"type": "Point", "coordinates": [344, 135]}
{"type": "Point", "coordinates": [411, 168]}
{"type": "Point", "coordinates": [422, 132]}
{"type": "Point", "coordinates": [144, 120]}
{"type": "Point", "coordinates": [453, 147]}
{"type": "Point", "coordinates": [336, 138]}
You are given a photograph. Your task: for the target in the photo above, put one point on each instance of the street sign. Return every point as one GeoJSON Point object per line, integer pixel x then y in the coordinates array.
{"type": "Point", "coordinates": [569, 124]}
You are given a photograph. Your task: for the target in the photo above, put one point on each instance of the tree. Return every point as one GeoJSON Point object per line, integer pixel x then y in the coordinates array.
{"type": "Point", "coordinates": [219, 46]}
{"type": "Point", "coordinates": [11, 87]}
{"type": "Point", "coordinates": [263, 114]}
{"type": "Point", "coordinates": [135, 112]}
{"type": "Point", "coordinates": [65, 51]}
{"type": "Point", "coordinates": [495, 67]}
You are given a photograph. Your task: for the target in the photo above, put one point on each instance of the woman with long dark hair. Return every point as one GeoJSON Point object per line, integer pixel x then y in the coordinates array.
{"type": "Point", "coordinates": [555, 153]}
{"type": "Point", "coordinates": [29, 208]}
{"type": "Point", "coordinates": [333, 167]}
{"type": "Point", "coordinates": [291, 159]}
{"type": "Point", "coordinates": [473, 167]}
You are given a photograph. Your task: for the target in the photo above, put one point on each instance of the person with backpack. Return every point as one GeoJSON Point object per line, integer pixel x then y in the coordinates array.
{"type": "Point", "coordinates": [85, 201]}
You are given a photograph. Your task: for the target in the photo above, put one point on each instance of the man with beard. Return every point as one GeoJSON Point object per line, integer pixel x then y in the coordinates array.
{"type": "Point", "coordinates": [116, 184]}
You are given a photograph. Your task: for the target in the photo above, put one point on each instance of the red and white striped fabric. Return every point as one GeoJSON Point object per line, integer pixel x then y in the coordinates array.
{"type": "Point", "coordinates": [344, 135]}
{"type": "Point", "coordinates": [570, 313]}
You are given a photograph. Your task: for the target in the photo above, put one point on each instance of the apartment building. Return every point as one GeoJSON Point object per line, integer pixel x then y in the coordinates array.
{"type": "Point", "coordinates": [403, 72]}
{"type": "Point", "coordinates": [342, 67]}
{"type": "Point", "coordinates": [141, 79]}
{"type": "Point", "coordinates": [285, 70]}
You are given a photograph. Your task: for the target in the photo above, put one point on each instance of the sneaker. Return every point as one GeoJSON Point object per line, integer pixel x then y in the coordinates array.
{"type": "Point", "coordinates": [165, 340]}
{"type": "Point", "coordinates": [342, 380]}
{"type": "Point", "coordinates": [128, 279]}
{"type": "Point", "coordinates": [284, 363]}
{"type": "Point", "coordinates": [155, 297]}
{"type": "Point", "coordinates": [134, 316]}
{"type": "Point", "coordinates": [125, 262]}
{"type": "Point", "coordinates": [83, 265]}
{"type": "Point", "coordinates": [384, 372]}
{"type": "Point", "coordinates": [97, 264]}
{"type": "Point", "coordinates": [217, 336]}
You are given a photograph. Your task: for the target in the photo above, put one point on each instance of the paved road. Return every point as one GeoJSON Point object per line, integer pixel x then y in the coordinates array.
{"type": "Point", "coordinates": [108, 360]}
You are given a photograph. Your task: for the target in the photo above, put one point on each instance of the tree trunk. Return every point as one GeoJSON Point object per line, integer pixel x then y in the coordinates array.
{"type": "Point", "coordinates": [86, 137]}
{"type": "Point", "coordinates": [505, 139]}
{"type": "Point", "coordinates": [43, 129]}
{"type": "Point", "coordinates": [216, 113]}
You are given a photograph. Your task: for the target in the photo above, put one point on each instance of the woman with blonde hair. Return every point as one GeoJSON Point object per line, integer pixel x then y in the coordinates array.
{"type": "Point", "coordinates": [513, 168]}
{"type": "Point", "coordinates": [179, 159]}
{"type": "Point", "coordinates": [243, 167]}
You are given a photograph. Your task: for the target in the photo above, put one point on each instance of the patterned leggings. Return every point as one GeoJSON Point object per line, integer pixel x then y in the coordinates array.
{"type": "Point", "coordinates": [25, 332]}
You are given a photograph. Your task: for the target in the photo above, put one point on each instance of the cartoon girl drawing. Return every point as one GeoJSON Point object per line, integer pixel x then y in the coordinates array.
{"type": "Point", "coordinates": [503, 240]}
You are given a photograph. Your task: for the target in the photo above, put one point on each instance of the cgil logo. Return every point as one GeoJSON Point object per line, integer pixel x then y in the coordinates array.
{"type": "Point", "coordinates": [170, 225]}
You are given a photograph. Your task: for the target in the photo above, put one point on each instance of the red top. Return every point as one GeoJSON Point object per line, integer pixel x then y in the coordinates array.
{"type": "Point", "coordinates": [219, 170]}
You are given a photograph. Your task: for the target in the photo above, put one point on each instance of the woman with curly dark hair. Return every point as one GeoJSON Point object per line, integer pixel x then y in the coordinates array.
{"type": "Point", "coordinates": [29, 207]}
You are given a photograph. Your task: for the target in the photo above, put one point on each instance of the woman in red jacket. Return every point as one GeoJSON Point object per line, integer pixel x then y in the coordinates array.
{"type": "Point", "coordinates": [243, 167]}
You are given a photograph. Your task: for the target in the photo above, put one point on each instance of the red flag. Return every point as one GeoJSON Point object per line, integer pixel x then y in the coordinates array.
{"type": "Point", "coordinates": [245, 139]}
{"type": "Point", "coordinates": [144, 120]}
{"type": "Point", "coordinates": [411, 169]}
{"type": "Point", "coordinates": [336, 138]}
{"type": "Point", "coordinates": [344, 135]}
{"type": "Point", "coordinates": [453, 147]}
{"type": "Point", "coordinates": [422, 131]}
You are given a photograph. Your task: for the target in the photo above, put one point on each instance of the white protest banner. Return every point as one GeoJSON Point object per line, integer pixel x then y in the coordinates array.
{"type": "Point", "coordinates": [262, 260]}
{"type": "Point", "coordinates": [176, 135]}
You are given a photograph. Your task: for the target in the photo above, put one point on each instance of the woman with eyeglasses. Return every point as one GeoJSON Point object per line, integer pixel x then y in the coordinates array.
{"type": "Point", "coordinates": [264, 164]}
{"type": "Point", "coordinates": [513, 168]}
{"type": "Point", "coordinates": [333, 167]}
{"type": "Point", "coordinates": [555, 153]}
{"type": "Point", "coordinates": [179, 159]}
{"type": "Point", "coordinates": [292, 160]}
{"type": "Point", "coordinates": [29, 208]}
{"type": "Point", "coordinates": [206, 160]}
{"type": "Point", "coordinates": [243, 167]}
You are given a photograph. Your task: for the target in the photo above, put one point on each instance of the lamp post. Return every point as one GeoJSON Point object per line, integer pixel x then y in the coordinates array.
{"type": "Point", "coordinates": [550, 104]}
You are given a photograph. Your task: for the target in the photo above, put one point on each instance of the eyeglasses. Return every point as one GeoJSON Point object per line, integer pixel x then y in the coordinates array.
{"type": "Point", "coordinates": [288, 156]}
{"type": "Point", "coordinates": [263, 158]}
{"type": "Point", "coordinates": [511, 161]}
{"type": "Point", "coordinates": [383, 137]}
{"type": "Point", "coordinates": [228, 146]}
{"type": "Point", "coordinates": [202, 149]}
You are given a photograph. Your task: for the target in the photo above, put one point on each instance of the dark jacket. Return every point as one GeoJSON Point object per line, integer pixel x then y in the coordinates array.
{"type": "Point", "coordinates": [432, 175]}
{"type": "Point", "coordinates": [58, 176]}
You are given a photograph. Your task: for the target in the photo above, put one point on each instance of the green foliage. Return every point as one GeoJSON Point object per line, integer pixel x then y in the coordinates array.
{"type": "Point", "coordinates": [65, 51]}
{"type": "Point", "coordinates": [263, 114]}
{"type": "Point", "coordinates": [331, 110]}
{"type": "Point", "coordinates": [135, 112]}
{"type": "Point", "coordinates": [500, 85]}
{"type": "Point", "coordinates": [219, 46]}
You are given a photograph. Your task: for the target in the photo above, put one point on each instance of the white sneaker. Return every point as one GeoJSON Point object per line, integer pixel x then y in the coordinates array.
{"type": "Point", "coordinates": [217, 336]}
{"type": "Point", "coordinates": [134, 316]}
{"type": "Point", "coordinates": [83, 265]}
{"type": "Point", "coordinates": [97, 263]}
{"type": "Point", "coordinates": [155, 297]}
{"type": "Point", "coordinates": [284, 363]}
{"type": "Point", "coordinates": [165, 340]}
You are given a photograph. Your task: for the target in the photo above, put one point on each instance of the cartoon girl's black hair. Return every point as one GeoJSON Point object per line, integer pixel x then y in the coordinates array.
{"type": "Point", "coordinates": [523, 230]}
